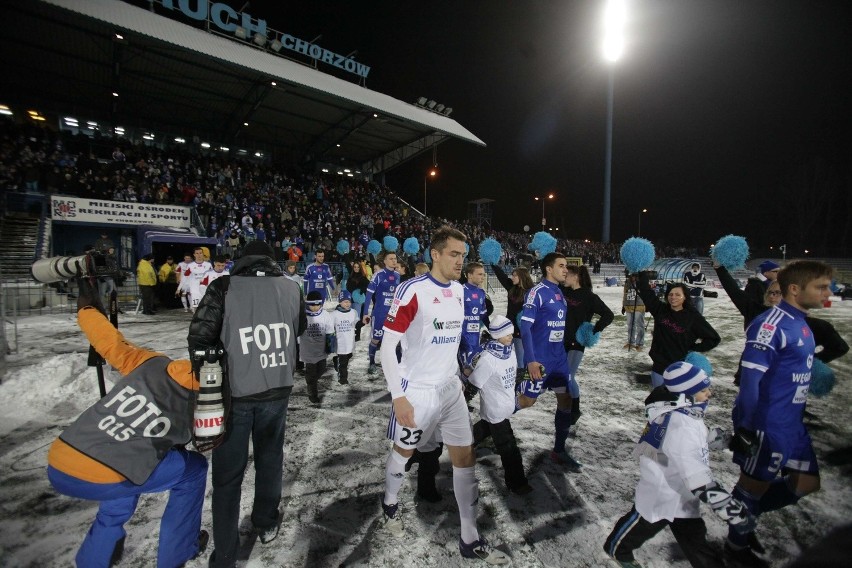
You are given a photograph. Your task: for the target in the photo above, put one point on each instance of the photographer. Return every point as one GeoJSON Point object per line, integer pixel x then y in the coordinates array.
{"type": "Point", "coordinates": [131, 442]}
{"type": "Point", "coordinates": [255, 314]}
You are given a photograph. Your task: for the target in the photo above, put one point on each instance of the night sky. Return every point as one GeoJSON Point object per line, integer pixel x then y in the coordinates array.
{"type": "Point", "coordinates": [723, 110]}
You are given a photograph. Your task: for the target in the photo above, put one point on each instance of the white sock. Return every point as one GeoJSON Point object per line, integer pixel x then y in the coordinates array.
{"type": "Point", "coordinates": [466, 488]}
{"type": "Point", "coordinates": [185, 301]}
{"type": "Point", "coordinates": [394, 476]}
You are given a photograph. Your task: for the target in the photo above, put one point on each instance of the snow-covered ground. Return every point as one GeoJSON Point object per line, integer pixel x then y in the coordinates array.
{"type": "Point", "coordinates": [335, 457]}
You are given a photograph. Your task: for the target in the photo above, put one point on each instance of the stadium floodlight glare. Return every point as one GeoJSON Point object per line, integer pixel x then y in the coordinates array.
{"type": "Point", "coordinates": [119, 36]}
{"type": "Point", "coordinates": [260, 39]}
{"type": "Point", "coordinates": [422, 101]}
{"type": "Point", "coordinates": [148, 136]}
{"type": "Point", "coordinates": [439, 108]}
{"type": "Point", "coordinates": [6, 110]}
{"type": "Point", "coordinates": [114, 94]}
{"type": "Point", "coordinates": [615, 15]}
{"type": "Point", "coordinates": [431, 104]}
{"type": "Point", "coordinates": [325, 170]}
{"type": "Point", "coordinates": [180, 140]}
{"type": "Point", "coordinates": [259, 154]}
{"type": "Point", "coordinates": [240, 32]}
{"type": "Point", "coordinates": [276, 45]}
{"type": "Point", "coordinates": [224, 148]}
{"type": "Point", "coordinates": [274, 84]}
{"type": "Point", "coordinates": [68, 119]}
{"type": "Point", "coordinates": [447, 111]}
{"type": "Point", "coordinates": [205, 145]}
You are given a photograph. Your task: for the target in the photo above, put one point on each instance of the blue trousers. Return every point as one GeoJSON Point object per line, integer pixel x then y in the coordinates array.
{"type": "Point", "coordinates": [264, 423]}
{"type": "Point", "coordinates": [575, 356]}
{"type": "Point", "coordinates": [182, 473]}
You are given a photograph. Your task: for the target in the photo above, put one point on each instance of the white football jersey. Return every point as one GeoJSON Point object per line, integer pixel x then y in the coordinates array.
{"type": "Point", "coordinates": [312, 342]}
{"type": "Point", "coordinates": [209, 278]}
{"type": "Point", "coordinates": [429, 316]}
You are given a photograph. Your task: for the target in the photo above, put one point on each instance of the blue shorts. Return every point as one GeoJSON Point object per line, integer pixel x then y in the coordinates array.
{"type": "Point", "coordinates": [378, 324]}
{"type": "Point", "coordinates": [779, 452]}
{"type": "Point", "coordinates": [557, 376]}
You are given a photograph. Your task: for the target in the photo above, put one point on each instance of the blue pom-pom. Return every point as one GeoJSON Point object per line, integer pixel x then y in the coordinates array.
{"type": "Point", "coordinates": [490, 251]}
{"type": "Point", "coordinates": [731, 252]}
{"type": "Point", "coordinates": [637, 254]}
{"type": "Point", "coordinates": [342, 247]}
{"type": "Point", "coordinates": [390, 243]}
{"type": "Point", "coordinates": [374, 247]}
{"type": "Point", "coordinates": [358, 297]}
{"type": "Point", "coordinates": [822, 379]}
{"type": "Point", "coordinates": [586, 335]}
{"type": "Point", "coordinates": [698, 360]}
{"type": "Point", "coordinates": [411, 246]}
{"type": "Point", "coordinates": [543, 243]}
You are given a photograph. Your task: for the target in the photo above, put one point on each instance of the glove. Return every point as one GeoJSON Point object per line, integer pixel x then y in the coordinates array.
{"type": "Point", "coordinates": [88, 296]}
{"type": "Point", "coordinates": [730, 510]}
{"type": "Point", "coordinates": [744, 441]}
{"type": "Point", "coordinates": [718, 439]}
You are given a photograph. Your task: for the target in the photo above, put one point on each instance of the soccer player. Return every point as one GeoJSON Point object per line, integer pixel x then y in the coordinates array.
{"type": "Point", "coordinates": [181, 291]}
{"type": "Point", "coordinates": [427, 395]}
{"type": "Point", "coordinates": [192, 277]}
{"type": "Point", "coordinates": [771, 444]}
{"type": "Point", "coordinates": [475, 313]}
{"type": "Point", "coordinates": [542, 332]}
{"type": "Point", "coordinates": [381, 289]}
{"type": "Point", "coordinates": [318, 276]}
{"type": "Point", "coordinates": [217, 272]}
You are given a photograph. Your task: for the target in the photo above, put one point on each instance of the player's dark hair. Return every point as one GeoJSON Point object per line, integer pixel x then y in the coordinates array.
{"type": "Point", "coordinates": [196, 249]}
{"type": "Point", "coordinates": [582, 273]}
{"type": "Point", "coordinates": [472, 267]}
{"type": "Point", "coordinates": [220, 258]}
{"type": "Point", "coordinates": [444, 234]}
{"type": "Point", "coordinates": [549, 259]}
{"type": "Point", "coordinates": [800, 272]}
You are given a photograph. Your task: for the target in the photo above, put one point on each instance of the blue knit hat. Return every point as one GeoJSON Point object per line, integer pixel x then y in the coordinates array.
{"type": "Point", "coordinates": [767, 266]}
{"type": "Point", "coordinates": [500, 327]}
{"type": "Point", "coordinates": [344, 295]}
{"type": "Point", "coordinates": [681, 377]}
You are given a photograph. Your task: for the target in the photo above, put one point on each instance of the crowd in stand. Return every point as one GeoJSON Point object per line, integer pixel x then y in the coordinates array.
{"type": "Point", "coordinates": [239, 200]}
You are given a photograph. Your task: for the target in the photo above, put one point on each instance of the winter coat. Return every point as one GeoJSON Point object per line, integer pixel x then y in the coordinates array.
{"type": "Point", "coordinates": [676, 333]}
{"type": "Point", "coordinates": [145, 274]}
{"type": "Point", "coordinates": [126, 358]}
{"type": "Point", "coordinates": [582, 305]}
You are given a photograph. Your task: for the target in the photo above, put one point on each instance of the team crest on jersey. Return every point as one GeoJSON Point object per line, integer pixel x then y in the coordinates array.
{"type": "Point", "coordinates": [390, 278]}
{"type": "Point", "coordinates": [558, 297]}
{"type": "Point", "coordinates": [806, 331]}
{"type": "Point", "coordinates": [447, 293]}
{"type": "Point", "coordinates": [474, 296]}
{"type": "Point", "coordinates": [810, 361]}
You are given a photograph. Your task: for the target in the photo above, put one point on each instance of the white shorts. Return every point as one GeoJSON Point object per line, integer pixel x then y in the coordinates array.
{"type": "Point", "coordinates": [440, 413]}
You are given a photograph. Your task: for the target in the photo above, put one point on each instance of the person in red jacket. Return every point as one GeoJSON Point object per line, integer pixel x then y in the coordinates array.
{"type": "Point", "coordinates": [131, 442]}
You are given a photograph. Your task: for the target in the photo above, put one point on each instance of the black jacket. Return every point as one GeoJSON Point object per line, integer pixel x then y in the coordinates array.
{"type": "Point", "coordinates": [676, 333]}
{"type": "Point", "coordinates": [582, 305]}
{"type": "Point", "coordinates": [515, 296]}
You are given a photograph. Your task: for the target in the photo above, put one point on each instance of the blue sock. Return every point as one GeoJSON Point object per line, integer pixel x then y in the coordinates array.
{"type": "Point", "coordinates": [778, 495]}
{"type": "Point", "coordinates": [753, 505]}
{"type": "Point", "coordinates": [562, 420]}
{"type": "Point", "coordinates": [371, 350]}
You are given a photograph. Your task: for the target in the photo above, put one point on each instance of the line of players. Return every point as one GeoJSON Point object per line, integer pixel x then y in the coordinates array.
{"type": "Point", "coordinates": [770, 442]}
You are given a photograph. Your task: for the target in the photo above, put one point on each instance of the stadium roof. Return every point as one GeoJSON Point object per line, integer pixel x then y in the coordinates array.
{"type": "Point", "coordinates": [64, 55]}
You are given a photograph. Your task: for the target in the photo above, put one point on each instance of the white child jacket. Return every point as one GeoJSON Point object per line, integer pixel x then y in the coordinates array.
{"type": "Point", "coordinates": [668, 476]}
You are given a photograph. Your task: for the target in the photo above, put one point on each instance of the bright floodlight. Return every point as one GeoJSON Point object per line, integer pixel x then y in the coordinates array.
{"type": "Point", "coordinates": [615, 15]}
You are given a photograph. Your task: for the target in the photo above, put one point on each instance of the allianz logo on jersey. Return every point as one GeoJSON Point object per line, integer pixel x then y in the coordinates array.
{"type": "Point", "coordinates": [439, 325]}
